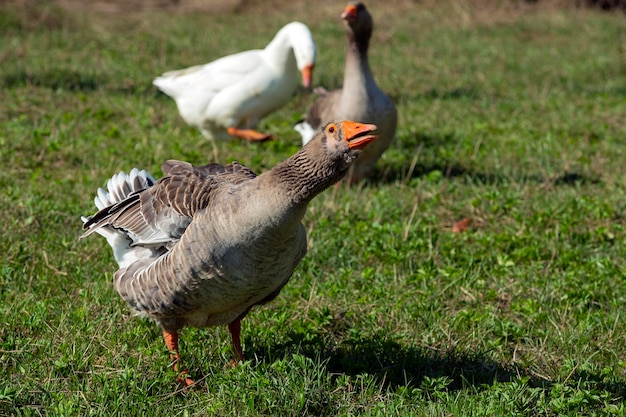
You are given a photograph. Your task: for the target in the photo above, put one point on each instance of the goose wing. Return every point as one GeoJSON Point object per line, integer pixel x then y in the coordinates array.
{"type": "Point", "coordinates": [161, 213]}
{"type": "Point", "coordinates": [212, 77]}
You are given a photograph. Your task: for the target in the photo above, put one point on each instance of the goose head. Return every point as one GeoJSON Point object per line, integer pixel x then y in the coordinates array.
{"type": "Point", "coordinates": [325, 159]}
{"type": "Point", "coordinates": [345, 140]}
{"type": "Point", "coordinates": [339, 143]}
{"type": "Point", "coordinates": [358, 20]}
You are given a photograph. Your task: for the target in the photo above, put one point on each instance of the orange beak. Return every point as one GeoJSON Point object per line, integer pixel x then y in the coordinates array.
{"type": "Point", "coordinates": [349, 12]}
{"type": "Point", "coordinates": [358, 135]}
{"type": "Point", "coordinates": [307, 75]}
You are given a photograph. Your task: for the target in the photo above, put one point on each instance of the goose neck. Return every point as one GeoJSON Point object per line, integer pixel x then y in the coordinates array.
{"type": "Point", "coordinates": [303, 176]}
{"type": "Point", "coordinates": [357, 64]}
{"type": "Point", "coordinates": [280, 49]}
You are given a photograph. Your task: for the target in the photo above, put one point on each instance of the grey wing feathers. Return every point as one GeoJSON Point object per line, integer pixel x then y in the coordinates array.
{"type": "Point", "coordinates": [120, 186]}
{"type": "Point", "coordinates": [235, 173]}
{"type": "Point", "coordinates": [160, 212]}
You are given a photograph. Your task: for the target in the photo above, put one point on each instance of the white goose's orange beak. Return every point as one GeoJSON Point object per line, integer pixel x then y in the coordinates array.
{"type": "Point", "coordinates": [307, 75]}
{"type": "Point", "coordinates": [358, 135]}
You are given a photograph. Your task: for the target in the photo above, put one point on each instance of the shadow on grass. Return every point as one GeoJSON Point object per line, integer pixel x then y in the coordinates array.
{"type": "Point", "coordinates": [393, 365]}
{"type": "Point", "coordinates": [599, 382]}
{"type": "Point", "coordinates": [454, 170]}
{"type": "Point", "coordinates": [405, 171]}
{"type": "Point", "coordinates": [71, 80]}
{"type": "Point", "coordinates": [54, 79]}
{"type": "Point", "coordinates": [459, 93]}
{"type": "Point", "coordinates": [388, 175]}
{"type": "Point", "coordinates": [452, 94]}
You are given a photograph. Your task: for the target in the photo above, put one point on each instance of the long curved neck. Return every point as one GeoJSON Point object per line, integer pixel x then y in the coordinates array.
{"type": "Point", "coordinates": [357, 71]}
{"type": "Point", "coordinates": [305, 175]}
{"type": "Point", "coordinates": [281, 50]}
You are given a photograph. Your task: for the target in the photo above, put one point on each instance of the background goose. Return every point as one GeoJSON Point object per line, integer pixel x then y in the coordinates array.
{"type": "Point", "coordinates": [230, 95]}
{"type": "Point", "coordinates": [203, 245]}
{"type": "Point", "coordinates": [360, 98]}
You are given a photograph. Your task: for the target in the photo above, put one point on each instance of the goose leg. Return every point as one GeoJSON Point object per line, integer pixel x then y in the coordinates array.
{"type": "Point", "coordinates": [250, 135]}
{"type": "Point", "coordinates": [171, 341]}
{"type": "Point", "coordinates": [235, 332]}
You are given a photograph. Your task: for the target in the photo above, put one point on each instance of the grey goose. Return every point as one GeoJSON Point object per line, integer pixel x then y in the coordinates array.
{"type": "Point", "coordinates": [360, 98]}
{"type": "Point", "coordinates": [204, 244]}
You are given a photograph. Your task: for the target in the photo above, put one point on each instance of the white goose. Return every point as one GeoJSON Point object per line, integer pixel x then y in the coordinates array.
{"type": "Point", "coordinates": [230, 95]}
{"type": "Point", "coordinates": [203, 245]}
{"type": "Point", "coordinates": [360, 98]}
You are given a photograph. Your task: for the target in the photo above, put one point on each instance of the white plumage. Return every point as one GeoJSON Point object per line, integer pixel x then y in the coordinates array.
{"type": "Point", "coordinates": [230, 95]}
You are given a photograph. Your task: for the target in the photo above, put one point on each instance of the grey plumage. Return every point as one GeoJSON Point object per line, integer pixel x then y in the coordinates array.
{"type": "Point", "coordinates": [360, 98]}
{"type": "Point", "coordinates": [205, 244]}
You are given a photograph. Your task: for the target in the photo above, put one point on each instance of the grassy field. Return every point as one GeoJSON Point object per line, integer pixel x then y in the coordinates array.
{"type": "Point", "coordinates": [511, 117]}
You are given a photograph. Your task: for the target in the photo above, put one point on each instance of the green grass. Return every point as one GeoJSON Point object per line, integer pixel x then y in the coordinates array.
{"type": "Point", "coordinates": [516, 122]}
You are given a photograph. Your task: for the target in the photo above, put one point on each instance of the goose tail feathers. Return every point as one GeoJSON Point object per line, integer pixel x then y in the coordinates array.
{"type": "Point", "coordinates": [119, 187]}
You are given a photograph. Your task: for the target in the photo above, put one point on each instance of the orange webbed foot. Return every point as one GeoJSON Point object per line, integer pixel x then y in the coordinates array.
{"type": "Point", "coordinates": [171, 341]}
{"type": "Point", "coordinates": [183, 379]}
{"type": "Point", "coordinates": [250, 135]}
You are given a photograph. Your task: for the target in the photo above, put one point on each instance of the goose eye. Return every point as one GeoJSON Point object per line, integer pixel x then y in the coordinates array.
{"type": "Point", "coordinates": [331, 129]}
